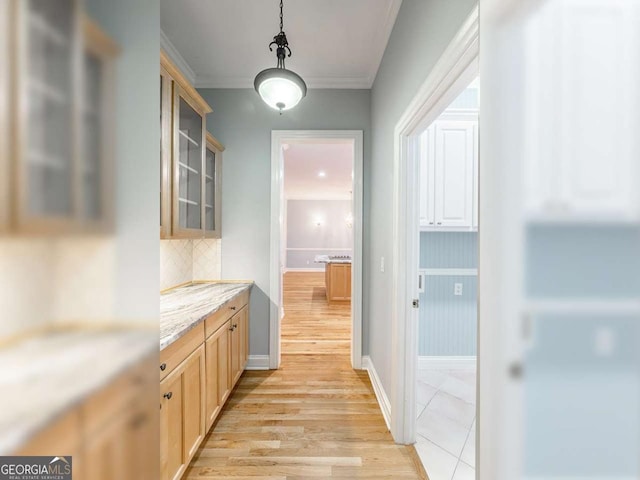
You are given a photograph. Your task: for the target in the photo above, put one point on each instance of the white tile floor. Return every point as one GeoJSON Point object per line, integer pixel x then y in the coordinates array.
{"type": "Point", "coordinates": [446, 423]}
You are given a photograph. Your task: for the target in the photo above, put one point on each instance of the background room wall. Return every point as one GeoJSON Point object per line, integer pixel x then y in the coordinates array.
{"type": "Point", "coordinates": [243, 123]}
{"type": "Point", "coordinates": [421, 33]}
{"type": "Point", "coordinates": [448, 322]}
{"type": "Point", "coordinates": [306, 239]}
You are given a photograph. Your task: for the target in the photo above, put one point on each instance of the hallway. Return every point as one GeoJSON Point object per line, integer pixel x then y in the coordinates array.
{"type": "Point", "coordinates": [315, 417]}
{"type": "Point", "coordinates": [310, 325]}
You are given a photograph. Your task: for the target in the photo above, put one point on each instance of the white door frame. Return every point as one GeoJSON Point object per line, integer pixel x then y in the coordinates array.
{"type": "Point", "coordinates": [453, 72]}
{"type": "Point", "coordinates": [278, 137]}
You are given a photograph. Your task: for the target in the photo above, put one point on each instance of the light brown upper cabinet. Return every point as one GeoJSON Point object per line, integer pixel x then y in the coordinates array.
{"type": "Point", "coordinates": [190, 161]}
{"type": "Point", "coordinates": [213, 188]}
{"type": "Point", "coordinates": [62, 92]}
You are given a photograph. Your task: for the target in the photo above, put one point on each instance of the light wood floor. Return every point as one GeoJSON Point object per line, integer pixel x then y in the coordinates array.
{"type": "Point", "coordinates": [310, 324]}
{"type": "Point", "coordinates": [314, 418]}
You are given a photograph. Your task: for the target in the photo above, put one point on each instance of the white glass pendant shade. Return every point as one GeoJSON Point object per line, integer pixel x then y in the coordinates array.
{"type": "Point", "coordinates": [280, 88]}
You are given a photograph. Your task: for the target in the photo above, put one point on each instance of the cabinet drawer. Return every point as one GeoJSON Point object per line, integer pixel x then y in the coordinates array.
{"type": "Point", "coordinates": [228, 310]}
{"type": "Point", "coordinates": [179, 350]}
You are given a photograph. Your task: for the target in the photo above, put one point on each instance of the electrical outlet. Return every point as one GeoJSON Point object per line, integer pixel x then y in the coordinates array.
{"type": "Point", "coordinates": [457, 289]}
{"type": "Point", "coordinates": [381, 264]}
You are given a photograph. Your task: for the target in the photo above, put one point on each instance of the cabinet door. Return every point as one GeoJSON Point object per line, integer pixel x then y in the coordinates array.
{"type": "Point", "coordinates": [96, 173]}
{"type": "Point", "coordinates": [427, 177]}
{"type": "Point", "coordinates": [188, 167]}
{"type": "Point", "coordinates": [106, 452]}
{"type": "Point", "coordinates": [454, 173]}
{"type": "Point", "coordinates": [235, 349]}
{"type": "Point", "coordinates": [46, 116]}
{"type": "Point", "coordinates": [193, 402]}
{"type": "Point", "coordinates": [243, 334]}
{"type": "Point", "coordinates": [213, 190]}
{"type": "Point", "coordinates": [166, 137]}
{"type": "Point", "coordinates": [476, 178]}
{"type": "Point", "coordinates": [217, 372]}
{"type": "Point", "coordinates": [172, 459]}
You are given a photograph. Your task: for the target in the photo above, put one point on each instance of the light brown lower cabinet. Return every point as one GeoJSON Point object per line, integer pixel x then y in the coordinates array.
{"type": "Point", "coordinates": [338, 282]}
{"type": "Point", "coordinates": [112, 434]}
{"type": "Point", "coordinates": [193, 393]}
{"type": "Point", "coordinates": [182, 414]}
{"type": "Point", "coordinates": [217, 349]}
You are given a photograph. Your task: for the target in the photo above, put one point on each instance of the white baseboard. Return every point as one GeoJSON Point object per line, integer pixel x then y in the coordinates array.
{"type": "Point", "coordinates": [321, 269]}
{"type": "Point", "coordinates": [258, 362]}
{"type": "Point", "coordinates": [381, 395]}
{"type": "Point", "coordinates": [446, 363]}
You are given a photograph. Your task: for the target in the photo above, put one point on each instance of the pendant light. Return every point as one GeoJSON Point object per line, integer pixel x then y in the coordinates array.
{"type": "Point", "coordinates": [280, 88]}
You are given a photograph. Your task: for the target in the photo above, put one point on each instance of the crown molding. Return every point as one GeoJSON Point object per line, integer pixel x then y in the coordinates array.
{"type": "Point", "coordinates": [382, 39]}
{"type": "Point", "coordinates": [210, 81]}
{"type": "Point", "coordinates": [177, 59]}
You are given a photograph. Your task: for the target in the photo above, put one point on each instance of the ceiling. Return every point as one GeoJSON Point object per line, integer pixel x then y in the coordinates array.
{"type": "Point", "coordinates": [303, 164]}
{"type": "Point", "coordinates": [223, 43]}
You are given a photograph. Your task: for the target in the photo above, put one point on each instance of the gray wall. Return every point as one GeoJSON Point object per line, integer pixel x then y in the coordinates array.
{"type": "Point", "coordinates": [243, 124]}
{"type": "Point", "coordinates": [303, 232]}
{"type": "Point", "coordinates": [448, 323]}
{"type": "Point", "coordinates": [422, 31]}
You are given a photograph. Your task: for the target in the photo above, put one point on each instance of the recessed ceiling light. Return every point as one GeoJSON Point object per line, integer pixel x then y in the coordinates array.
{"type": "Point", "coordinates": [322, 174]}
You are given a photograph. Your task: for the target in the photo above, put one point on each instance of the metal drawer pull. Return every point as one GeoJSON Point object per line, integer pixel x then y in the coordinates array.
{"type": "Point", "coordinates": [163, 367]}
{"type": "Point", "coordinates": [168, 395]}
{"type": "Point", "coordinates": [232, 308]}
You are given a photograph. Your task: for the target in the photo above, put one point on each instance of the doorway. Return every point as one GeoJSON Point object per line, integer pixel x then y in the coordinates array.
{"type": "Point", "coordinates": [316, 244]}
{"type": "Point", "coordinates": [448, 290]}
{"type": "Point", "coordinates": [454, 72]}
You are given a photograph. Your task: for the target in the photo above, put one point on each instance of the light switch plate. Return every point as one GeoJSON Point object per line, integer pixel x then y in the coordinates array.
{"type": "Point", "coordinates": [457, 289]}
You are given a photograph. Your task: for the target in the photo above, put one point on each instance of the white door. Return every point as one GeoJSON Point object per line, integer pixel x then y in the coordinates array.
{"type": "Point", "coordinates": [427, 180]}
{"type": "Point", "coordinates": [454, 173]}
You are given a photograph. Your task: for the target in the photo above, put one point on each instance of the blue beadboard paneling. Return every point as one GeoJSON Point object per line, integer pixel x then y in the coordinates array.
{"type": "Point", "coordinates": [582, 261]}
{"type": "Point", "coordinates": [448, 250]}
{"type": "Point", "coordinates": [448, 323]}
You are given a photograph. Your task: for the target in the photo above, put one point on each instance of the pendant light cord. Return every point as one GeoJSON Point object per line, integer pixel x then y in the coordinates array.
{"type": "Point", "coordinates": [280, 41]}
{"type": "Point", "coordinates": [281, 17]}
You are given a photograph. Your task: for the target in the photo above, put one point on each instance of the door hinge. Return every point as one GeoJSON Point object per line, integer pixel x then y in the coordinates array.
{"type": "Point", "coordinates": [416, 303]}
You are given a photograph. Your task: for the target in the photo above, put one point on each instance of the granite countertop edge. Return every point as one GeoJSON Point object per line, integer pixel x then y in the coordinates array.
{"type": "Point", "coordinates": [173, 337]}
{"type": "Point", "coordinates": [13, 442]}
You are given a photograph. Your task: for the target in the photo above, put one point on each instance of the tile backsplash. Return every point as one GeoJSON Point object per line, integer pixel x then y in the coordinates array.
{"type": "Point", "coordinates": [186, 260]}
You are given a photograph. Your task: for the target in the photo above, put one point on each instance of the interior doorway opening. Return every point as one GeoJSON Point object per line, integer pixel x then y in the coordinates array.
{"type": "Point", "coordinates": [445, 388]}
{"type": "Point", "coordinates": [453, 73]}
{"type": "Point", "coordinates": [316, 245]}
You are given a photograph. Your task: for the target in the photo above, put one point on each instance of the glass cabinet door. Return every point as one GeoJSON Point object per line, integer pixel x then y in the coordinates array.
{"type": "Point", "coordinates": [166, 96]}
{"type": "Point", "coordinates": [49, 37]}
{"type": "Point", "coordinates": [213, 164]}
{"type": "Point", "coordinates": [188, 169]}
{"type": "Point", "coordinates": [92, 208]}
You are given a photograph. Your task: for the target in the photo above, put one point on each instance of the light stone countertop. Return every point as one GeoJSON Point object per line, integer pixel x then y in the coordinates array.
{"type": "Point", "coordinates": [44, 377]}
{"type": "Point", "coordinates": [332, 259]}
{"type": "Point", "coordinates": [183, 308]}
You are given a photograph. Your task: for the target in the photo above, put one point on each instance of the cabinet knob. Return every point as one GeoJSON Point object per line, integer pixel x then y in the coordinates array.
{"type": "Point", "coordinates": [232, 308]}
{"type": "Point", "coordinates": [430, 223]}
{"type": "Point", "coordinates": [439, 223]}
{"type": "Point", "coordinates": [235, 325]}
{"type": "Point", "coordinates": [168, 395]}
{"type": "Point", "coordinates": [231, 328]}
{"type": "Point", "coordinates": [163, 367]}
